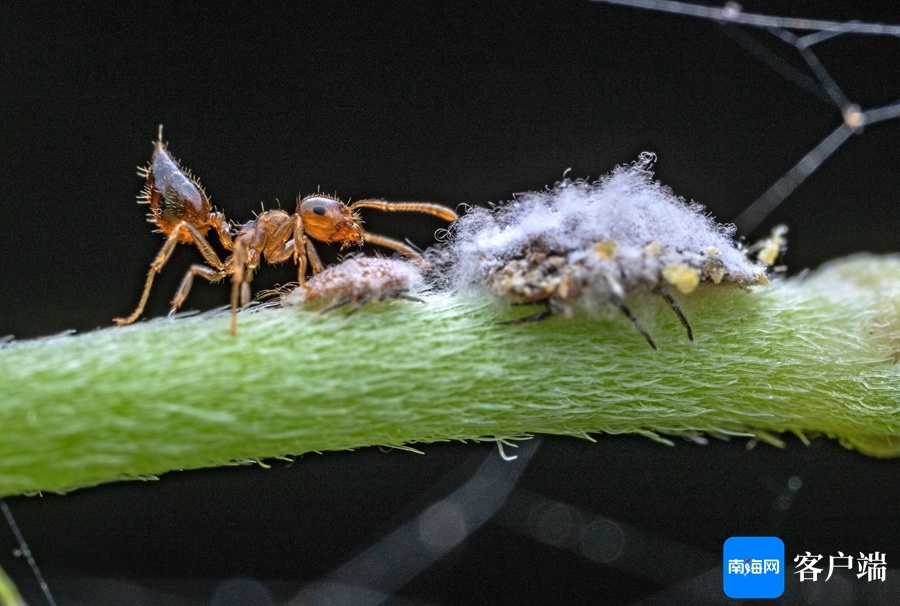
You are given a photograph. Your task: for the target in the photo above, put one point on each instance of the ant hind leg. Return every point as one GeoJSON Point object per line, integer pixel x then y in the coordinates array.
{"type": "Point", "coordinates": [162, 257]}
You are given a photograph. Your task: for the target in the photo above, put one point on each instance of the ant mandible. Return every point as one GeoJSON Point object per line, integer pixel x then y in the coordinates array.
{"type": "Point", "coordinates": [179, 206]}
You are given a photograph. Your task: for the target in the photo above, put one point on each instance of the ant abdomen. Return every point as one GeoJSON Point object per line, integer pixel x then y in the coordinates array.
{"type": "Point", "coordinates": [175, 196]}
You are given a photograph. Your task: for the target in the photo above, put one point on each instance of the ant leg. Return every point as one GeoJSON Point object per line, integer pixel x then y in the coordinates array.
{"type": "Point", "coordinates": [281, 246]}
{"type": "Point", "coordinates": [315, 261]}
{"type": "Point", "coordinates": [435, 210]}
{"type": "Point", "coordinates": [223, 228]}
{"type": "Point", "coordinates": [297, 246]}
{"type": "Point", "coordinates": [301, 247]}
{"type": "Point", "coordinates": [304, 252]}
{"type": "Point", "coordinates": [684, 321]}
{"type": "Point", "coordinates": [624, 309]}
{"type": "Point", "coordinates": [204, 247]}
{"type": "Point", "coordinates": [301, 257]}
{"type": "Point", "coordinates": [238, 263]}
{"type": "Point", "coordinates": [245, 289]}
{"type": "Point", "coordinates": [204, 271]}
{"type": "Point", "coordinates": [156, 266]}
{"type": "Point", "coordinates": [400, 247]}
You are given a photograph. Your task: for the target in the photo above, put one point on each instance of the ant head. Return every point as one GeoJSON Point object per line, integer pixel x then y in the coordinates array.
{"type": "Point", "coordinates": [329, 220]}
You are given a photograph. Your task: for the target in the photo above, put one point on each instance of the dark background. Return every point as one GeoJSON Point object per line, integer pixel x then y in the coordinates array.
{"type": "Point", "coordinates": [463, 102]}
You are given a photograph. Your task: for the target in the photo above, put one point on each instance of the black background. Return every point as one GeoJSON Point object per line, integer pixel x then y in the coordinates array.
{"type": "Point", "coordinates": [451, 102]}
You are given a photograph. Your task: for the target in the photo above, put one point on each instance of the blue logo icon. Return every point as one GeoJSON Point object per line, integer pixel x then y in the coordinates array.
{"type": "Point", "coordinates": [753, 567]}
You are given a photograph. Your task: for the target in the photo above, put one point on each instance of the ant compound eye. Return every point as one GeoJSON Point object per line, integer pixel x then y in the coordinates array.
{"type": "Point", "coordinates": [319, 205]}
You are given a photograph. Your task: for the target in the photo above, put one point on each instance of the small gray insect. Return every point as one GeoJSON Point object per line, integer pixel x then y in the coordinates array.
{"type": "Point", "coordinates": [357, 281]}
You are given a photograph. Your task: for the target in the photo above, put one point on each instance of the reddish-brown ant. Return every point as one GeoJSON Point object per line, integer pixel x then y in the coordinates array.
{"type": "Point", "coordinates": [181, 209]}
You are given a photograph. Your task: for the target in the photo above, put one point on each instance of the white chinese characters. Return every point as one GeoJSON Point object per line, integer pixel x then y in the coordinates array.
{"type": "Point", "coordinates": [871, 566]}
{"type": "Point", "coordinates": [752, 566]}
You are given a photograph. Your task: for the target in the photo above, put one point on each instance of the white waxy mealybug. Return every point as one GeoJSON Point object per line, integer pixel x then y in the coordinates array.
{"type": "Point", "coordinates": [587, 243]}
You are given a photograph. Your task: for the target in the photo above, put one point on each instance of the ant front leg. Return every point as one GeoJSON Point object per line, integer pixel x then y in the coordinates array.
{"type": "Point", "coordinates": [315, 262]}
{"type": "Point", "coordinates": [405, 249]}
{"type": "Point", "coordinates": [291, 241]}
{"type": "Point", "coordinates": [304, 252]}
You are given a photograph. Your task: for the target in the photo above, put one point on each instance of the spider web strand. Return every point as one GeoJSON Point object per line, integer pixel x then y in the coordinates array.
{"type": "Point", "coordinates": [754, 214]}
{"type": "Point", "coordinates": [732, 15]}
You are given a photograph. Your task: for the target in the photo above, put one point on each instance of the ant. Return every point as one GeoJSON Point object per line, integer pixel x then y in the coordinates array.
{"type": "Point", "coordinates": [179, 206]}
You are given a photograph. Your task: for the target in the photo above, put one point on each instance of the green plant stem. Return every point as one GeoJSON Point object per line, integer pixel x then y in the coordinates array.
{"type": "Point", "coordinates": [9, 595]}
{"type": "Point", "coordinates": [813, 355]}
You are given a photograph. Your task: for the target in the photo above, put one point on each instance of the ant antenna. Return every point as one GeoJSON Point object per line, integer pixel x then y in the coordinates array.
{"type": "Point", "coordinates": [25, 551]}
